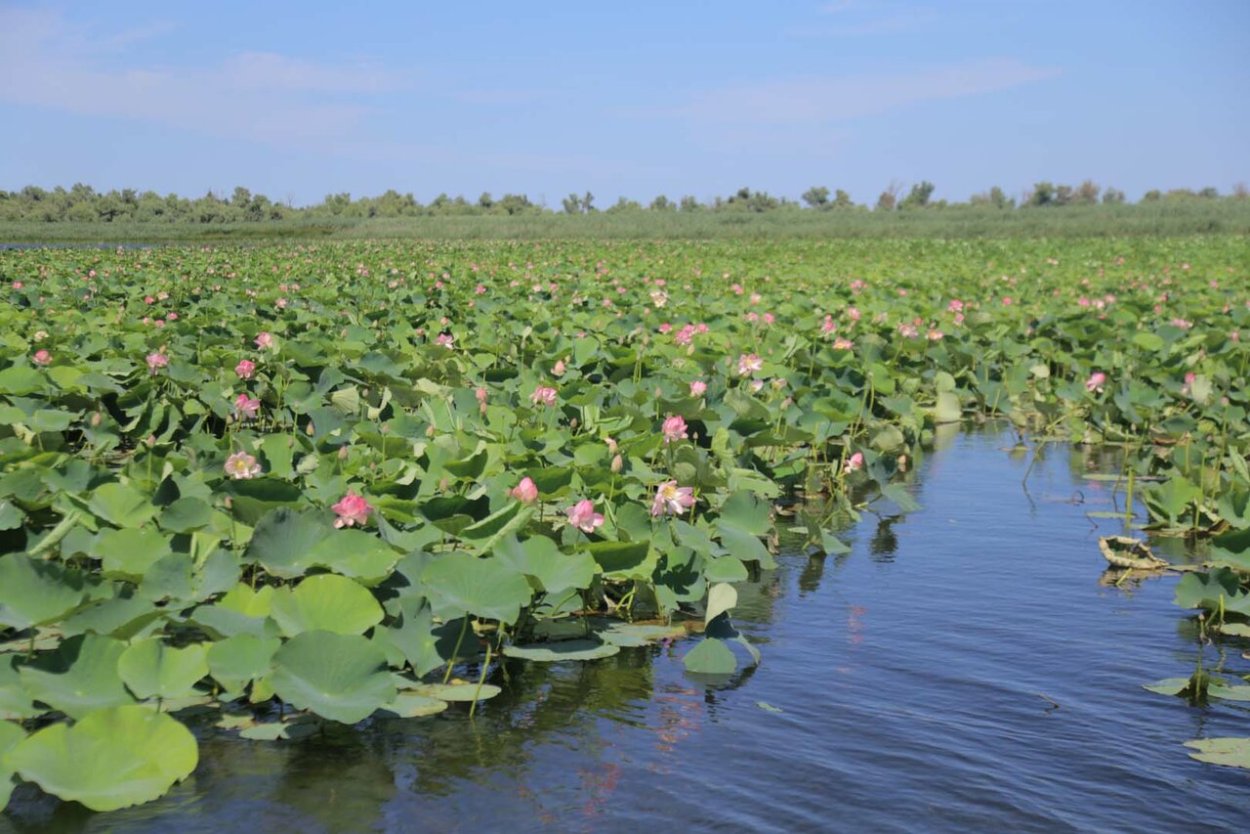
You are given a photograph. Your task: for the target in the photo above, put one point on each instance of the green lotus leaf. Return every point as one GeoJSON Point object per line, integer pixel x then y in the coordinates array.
{"type": "Point", "coordinates": [237, 661]}
{"type": "Point", "coordinates": [563, 650]}
{"type": "Point", "coordinates": [129, 553]}
{"type": "Point", "coordinates": [623, 560]}
{"type": "Point", "coordinates": [342, 677]}
{"type": "Point", "coordinates": [121, 505]}
{"type": "Point", "coordinates": [486, 587]}
{"type": "Point", "coordinates": [353, 553]}
{"type": "Point", "coordinates": [457, 692]}
{"type": "Point", "coordinates": [710, 657]}
{"type": "Point", "coordinates": [152, 669]}
{"type": "Point", "coordinates": [296, 727]}
{"type": "Point", "coordinates": [725, 569]}
{"type": "Point", "coordinates": [122, 617]}
{"type": "Point", "coordinates": [1230, 752]}
{"type": "Point", "coordinates": [33, 592]}
{"type": "Point", "coordinates": [720, 598]}
{"type": "Point", "coordinates": [423, 644]}
{"type": "Point", "coordinates": [325, 602]}
{"type": "Point", "coordinates": [112, 758]}
{"type": "Point", "coordinates": [15, 703]}
{"type": "Point", "coordinates": [186, 515]}
{"type": "Point", "coordinates": [746, 512]}
{"type": "Point", "coordinates": [284, 538]}
{"type": "Point", "coordinates": [631, 634]}
{"type": "Point", "coordinates": [745, 545]}
{"type": "Point", "coordinates": [10, 735]}
{"type": "Point", "coordinates": [540, 558]}
{"type": "Point", "coordinates": [80, 676]}
{"type": "Point", "coordinates": [412, 705]}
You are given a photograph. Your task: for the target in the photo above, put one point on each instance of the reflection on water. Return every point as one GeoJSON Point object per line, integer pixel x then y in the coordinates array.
{"type": "Point", "coordinates": [961, 669]}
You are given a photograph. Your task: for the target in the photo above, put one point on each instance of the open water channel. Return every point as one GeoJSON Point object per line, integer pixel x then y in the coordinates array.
{"type": "Point", "coordinates": [962, 669]}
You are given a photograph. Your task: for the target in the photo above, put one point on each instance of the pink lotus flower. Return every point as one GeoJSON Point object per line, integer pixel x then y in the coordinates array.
{"type": "Point", "coordinates": [245, 368]}
{"type": "Point", "coordinates": [241, 466]}
{"type": "Point", "coordinates": [481, 394]}
{"type": "Point", "coordinates": [582, 515]}
{"type": "Point", "coordinates": [674, 428]}
{"type": "Point", "coordinates": [264, 340]}
{"type": "Point", "coordinates": [828, 326]}
{"type": "Point", "coordinates": [543, 395]}
{"type": "Point", "coordinates": [245, 407]}
{"type": "Point", "coordinates": [671, 499]}
{"type": "Point", "coordinates": [156, 361]}
{"type": "Point", "coordinates": [558, 368]}
{"type": "Point", "coordinates": [698, 388]}
{"type": "Point", "coordinates": [842, 344]}
{"type": "Point", "coordinates": [853, 313]}
{"type": "Point", "coordinates": [42, 357]}
{"type": "Point", "coordinates": [351, 510]}
{"type": "Point", "coordinates": [1189, 382]}
{"type": "Point", "coordinates": [526, 492]}
{"type": "Point", "coordinates": [1096, 381]}
{"type": "Point", "coordinates": [444, 340]}
{"type": "Point", "coordinates": [853, 464]}
{"type": "Point", "coordinates": [749, 363]}
{"type": "Point", "coordinates": [955, 306]}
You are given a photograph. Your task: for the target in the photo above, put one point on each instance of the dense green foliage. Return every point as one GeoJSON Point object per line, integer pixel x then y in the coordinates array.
{"type": "Point", "coordinates": [336, 477]}
{"type": "Point", "coordinates": [1163, 217]}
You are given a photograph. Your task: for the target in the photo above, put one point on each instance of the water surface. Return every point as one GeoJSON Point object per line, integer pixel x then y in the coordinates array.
{"type": "Point", "coordinates": [961, 669]}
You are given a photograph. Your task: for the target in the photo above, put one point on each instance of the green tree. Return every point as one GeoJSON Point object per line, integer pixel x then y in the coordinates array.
{"type": "Point", "coordinates": [817, 197]}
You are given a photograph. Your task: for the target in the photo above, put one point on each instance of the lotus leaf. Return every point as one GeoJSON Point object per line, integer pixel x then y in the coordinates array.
{"type": "Point", "coordinates": [80, 676]}
{"type": "Point", "coordinates": [237, 661]}
{"type": "Point", "coordinates": [34, 592]}
{"type": "Point", "coordinates": [710, 657]}
{"type": "Point", "coordinates": [342, 677]}
{"type": "Point", "coordinates": [485, 587]}
{"type": "Point", "coordinates": [325, 602]}
{"type": "Point", "coordinates": [111, 758]}
{"type": "Point", "coordinates": [1231, 752]}
{"type": "Point", "coordinates": [563, 650]}
{"type": "Point", "coordinates": [151, 669]}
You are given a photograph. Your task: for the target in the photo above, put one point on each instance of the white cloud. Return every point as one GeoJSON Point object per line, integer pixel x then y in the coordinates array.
{"type": "Point", "coordinates": [46, 63]}
{"type": "Point", "coordinates": [831, 99]}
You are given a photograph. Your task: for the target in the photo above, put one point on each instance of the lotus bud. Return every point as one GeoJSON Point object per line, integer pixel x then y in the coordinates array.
{"type": "Point", "coordinates": [342, 453]}
{"type": "Point", "coordinates": [96, 419]}
{"type": "Point", "coordinates": [617, 463]}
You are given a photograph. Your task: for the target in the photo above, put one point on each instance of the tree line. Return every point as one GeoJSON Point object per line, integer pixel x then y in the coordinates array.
{"type": "Point", "coordinates": [83, 204]}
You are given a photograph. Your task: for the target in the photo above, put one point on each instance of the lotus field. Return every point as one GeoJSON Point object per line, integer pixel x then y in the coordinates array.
{"type": "Point", "coordinates": [262, 488]}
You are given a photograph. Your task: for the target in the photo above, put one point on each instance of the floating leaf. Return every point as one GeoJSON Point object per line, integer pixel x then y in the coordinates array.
{"type": "Point", "coordinates": [237, 661]}
{"type": "Point", "coordinates": [540, 557]}
{"type": "Point", "coordinates": [710, 657]}
{"type": "Point", "coordinates": [154, 670]}
{"type": "Point", "coordinates": [563, 650]}
{"type": "Point", "coordinates": [412, 705]}
{"type": "Point", "coordinates": [1230, 752]}
{"type": "Point", "coordinates": [487, 588]}
{"type": "Point", "coordinates": [325, 602]}
{"type": "Point", "coordinates": [112, 758]}
{"type": "Point", "coordinates": [284, 538]}
{"type": "Point", "coordinates": [720, 598]}
{"type": "Point", "coordinates": [457, 691]}
{"type": "Point", "coordinates": [80, 676]}
{"type": "Point", "coordinates": [342, 677]}
{"type": "Point", "coordinates": [33, 592]}
{"type": "Point", "coordinates": [121, 505]}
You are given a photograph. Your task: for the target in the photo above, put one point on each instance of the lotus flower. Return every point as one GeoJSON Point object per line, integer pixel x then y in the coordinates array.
{"type": "Point", "coordinates": [671, 499]}
{"type": "Point", "coordinates": [351, 509]}
{"type": "Point", "coordinates": [582, 515]}
{"type": "Point", "coordinates": [526, 492]}
{"type": "Point", "coordinates": [241, 466]}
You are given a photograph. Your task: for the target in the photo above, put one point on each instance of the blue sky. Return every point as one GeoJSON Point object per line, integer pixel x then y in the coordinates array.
{"type": "Point", "coordinates": [300, 99]}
